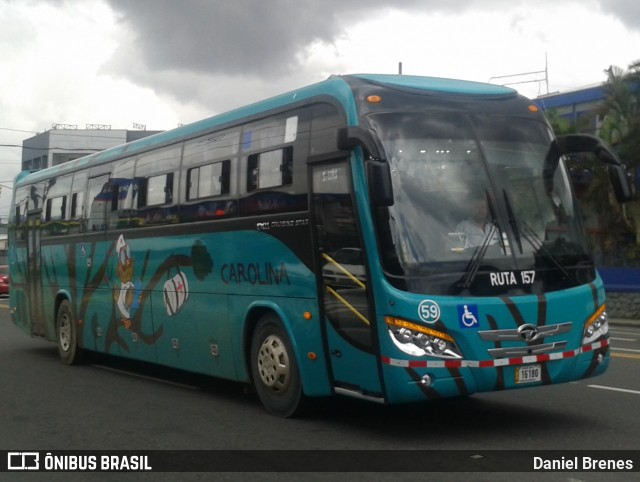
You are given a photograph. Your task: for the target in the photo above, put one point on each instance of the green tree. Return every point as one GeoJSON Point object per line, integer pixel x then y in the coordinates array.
{"type": "Point", "coordinates": [559, 124]}
{"type": "Point", "coordinates": [620, 112]}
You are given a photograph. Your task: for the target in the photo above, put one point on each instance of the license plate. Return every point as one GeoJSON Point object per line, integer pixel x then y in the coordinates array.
{"type": "Point", "coordinates": [528, 373]}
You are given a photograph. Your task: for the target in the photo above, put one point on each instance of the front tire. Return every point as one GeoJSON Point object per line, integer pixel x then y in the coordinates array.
{"type": "Point", "coordinates": [274, 369]}
{"type": "Point", "coordinates": [67, 336]}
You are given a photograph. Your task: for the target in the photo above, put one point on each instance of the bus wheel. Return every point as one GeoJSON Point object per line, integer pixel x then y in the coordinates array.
{"type": "Point", "coordinates": [275, 372]}
{"type": "Point", "coordinates": [67, 335]}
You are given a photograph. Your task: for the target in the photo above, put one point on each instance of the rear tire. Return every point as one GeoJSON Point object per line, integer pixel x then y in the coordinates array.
{"type": "Point", "coordinates": [274, 369]}
{"type": "Point", "coordinates": [67, 336]}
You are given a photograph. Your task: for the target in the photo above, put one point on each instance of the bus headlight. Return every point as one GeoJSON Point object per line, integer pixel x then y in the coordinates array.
{"type": "Point", "coordinates": [597, 326]}
{"type": "Point", "coordinates": [419, 340]}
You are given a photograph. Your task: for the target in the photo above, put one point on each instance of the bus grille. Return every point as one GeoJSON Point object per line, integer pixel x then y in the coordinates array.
{"type": "Point", "coordinates": [530, 335]}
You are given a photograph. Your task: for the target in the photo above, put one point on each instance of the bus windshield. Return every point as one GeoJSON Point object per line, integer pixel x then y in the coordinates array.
{"type": "Point", "coordinates": [482, 206]}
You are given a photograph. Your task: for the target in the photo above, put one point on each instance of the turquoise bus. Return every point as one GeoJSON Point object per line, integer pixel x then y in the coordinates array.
{"type": "Point", "coordinates": [390, 238]}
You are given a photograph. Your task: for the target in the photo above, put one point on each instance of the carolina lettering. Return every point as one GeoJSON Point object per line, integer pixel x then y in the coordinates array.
{"type": "Point", "coordinates": [254, 273]}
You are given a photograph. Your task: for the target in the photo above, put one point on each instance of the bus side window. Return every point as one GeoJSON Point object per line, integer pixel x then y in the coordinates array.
{"type": "Point", "coordinates": [76, 205]}
{"type": "Point", "coordinates": [123, 193]}
{"type": "Point", "coordinates": [156, 190]}
{"type": "Point", "coordinates": [77, 219]}
{"type": "Point", "coordinates": [324, 129]}
{"type": "Point", "coordinates": [208, 180]}
{"type": "Point", "coordinates": [54, 215]}
{"type": "Point", "coordinates": [270, 169]}
{"type": "Point", "coordinates": [20, 214]}
{"type": "Point", "coordinates": [56, 209]}
{"type": "Point", "coordinates": [100, 196]}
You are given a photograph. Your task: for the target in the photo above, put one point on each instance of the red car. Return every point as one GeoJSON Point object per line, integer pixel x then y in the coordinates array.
{"type": "Point", "coordinates": [4, 281]}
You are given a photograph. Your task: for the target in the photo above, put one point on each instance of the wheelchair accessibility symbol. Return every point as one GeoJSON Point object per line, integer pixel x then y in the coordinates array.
{"type": "Point", "coordinates": [468, 316]}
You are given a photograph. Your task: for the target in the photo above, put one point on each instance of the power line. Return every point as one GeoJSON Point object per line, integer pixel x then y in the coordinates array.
{"type": "Point", "coordinates": [17, 130]}
{"type": "Point", "coordinates": [51, 148]}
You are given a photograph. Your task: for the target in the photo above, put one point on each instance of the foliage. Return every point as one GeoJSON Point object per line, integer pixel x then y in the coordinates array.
{"type": "Point", "coordinates": [620, 112]}
{"type": "Point", "coordinates": [560, 125]}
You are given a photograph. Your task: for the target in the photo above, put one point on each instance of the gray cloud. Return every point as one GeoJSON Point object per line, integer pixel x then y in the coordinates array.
{"type": "Point", "coordinates": [628, 11]}
{"type": "Point", "coordinates": [237, 37]}
{"type": "Point", "coordinates": [215, 37]}
{"type": "Point", "coordinates": [179, 46]}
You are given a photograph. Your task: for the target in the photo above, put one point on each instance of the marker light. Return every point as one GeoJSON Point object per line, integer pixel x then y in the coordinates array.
{"type": "Point", "coordinates": [420, 340]}
{"type": "Point", "coordinates": [533, 108]}
{"type": "Point", "coordinates": [374, 99]}
{"type": "Point", "coordinates": [597, 326]}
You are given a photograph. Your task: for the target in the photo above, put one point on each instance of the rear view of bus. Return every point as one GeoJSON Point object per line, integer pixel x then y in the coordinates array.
{"type": "Point", "coordinates": [479, 273]}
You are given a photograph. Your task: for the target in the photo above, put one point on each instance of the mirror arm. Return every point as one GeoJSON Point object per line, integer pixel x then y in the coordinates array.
{"type": "Point", "coordinates": [352, 136]}
{"type": "Point", "coordinates": [588, 143]}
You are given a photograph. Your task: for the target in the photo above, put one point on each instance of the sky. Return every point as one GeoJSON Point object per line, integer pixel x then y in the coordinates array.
{"type": "Point", "coordinates": [161, 63]}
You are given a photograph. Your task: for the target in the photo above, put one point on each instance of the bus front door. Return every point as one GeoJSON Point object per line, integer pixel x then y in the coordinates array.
{"type": "Point", "coordinates": [345, 297]}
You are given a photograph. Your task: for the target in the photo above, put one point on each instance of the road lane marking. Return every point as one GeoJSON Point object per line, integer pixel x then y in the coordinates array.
{"type": "Point", "coordinates": [622, 339]}
{"type": "Point", "coordinates": [626, 355]}
{"type": "Point", "coordinates": [614, 389]}
{"type": "Point", "coordinates": [623, 332]}
{"type": "Point", "coordinates": [626, 349]}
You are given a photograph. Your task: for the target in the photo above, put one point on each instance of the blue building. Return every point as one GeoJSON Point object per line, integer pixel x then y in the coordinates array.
{"type": "Point", "coordinates": [579, 107]}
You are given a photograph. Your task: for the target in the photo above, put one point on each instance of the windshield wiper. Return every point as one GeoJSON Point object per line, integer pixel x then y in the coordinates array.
{"type": "Point", "coordinates": [537, 244]}
{"type": "Point", "coordinates": [512, 220]}
{"type": "Point", "coordinates": [478, 255]}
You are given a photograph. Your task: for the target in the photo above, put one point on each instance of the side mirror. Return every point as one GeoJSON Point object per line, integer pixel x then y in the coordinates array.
{"type": "Point", "coordinates": [621, 184]}
{"type": "Point", "coordinates": [617, 173]}
{"type": "Point", "coordinates": [377, 170]}
{"type": "Point", "coordinates": [379, 182]}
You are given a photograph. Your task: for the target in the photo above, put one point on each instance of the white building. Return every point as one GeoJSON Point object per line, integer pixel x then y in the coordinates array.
{"type": "Point", "coordinates": [64, 142]}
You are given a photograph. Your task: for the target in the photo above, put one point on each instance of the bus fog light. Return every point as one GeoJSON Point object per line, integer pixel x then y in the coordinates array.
{"type": "Point", "coordinates": [426, 380]}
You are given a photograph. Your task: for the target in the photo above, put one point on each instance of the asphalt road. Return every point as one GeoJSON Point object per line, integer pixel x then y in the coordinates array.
{"type": "Point", "coordinates": [115, 405]}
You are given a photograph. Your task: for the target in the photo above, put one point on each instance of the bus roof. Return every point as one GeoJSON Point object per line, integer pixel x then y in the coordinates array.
{"type": "Point", "coordinates": [438, 85]}
{"type": "Point", "coordinates": [336, 87]}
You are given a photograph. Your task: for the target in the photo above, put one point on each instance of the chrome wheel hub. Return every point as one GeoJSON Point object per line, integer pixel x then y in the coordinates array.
{"type": "Point", "coordinates": [273, 364]}
{"type": "Point", "coordinates": [65, 333]}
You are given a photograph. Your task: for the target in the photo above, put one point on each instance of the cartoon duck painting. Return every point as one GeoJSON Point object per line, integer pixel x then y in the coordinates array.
{"type": "Point", "coordinates": [125, 297]}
